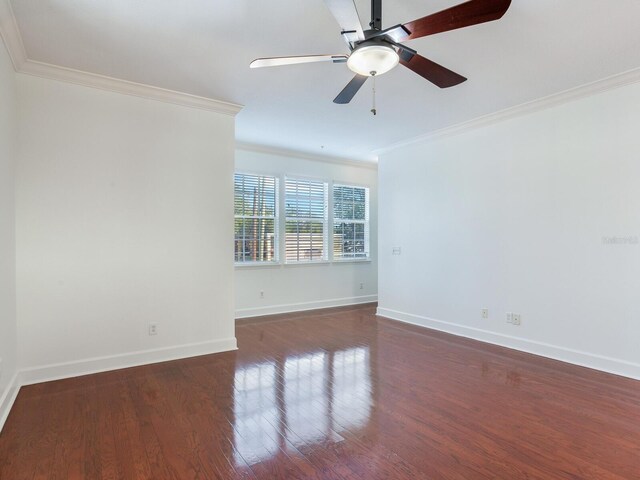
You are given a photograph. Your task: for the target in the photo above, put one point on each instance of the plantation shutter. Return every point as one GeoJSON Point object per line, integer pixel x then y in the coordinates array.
{"type": "Point", "coordinates": [255, 205]}
{"type": "Point", "coordinates": [350, 222]}
{"type": "Point", "coordinates": [306, 220]}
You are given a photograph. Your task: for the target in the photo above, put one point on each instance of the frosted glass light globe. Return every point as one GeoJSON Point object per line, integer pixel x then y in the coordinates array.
{"type": "Point", "coordinates": [373, 59]}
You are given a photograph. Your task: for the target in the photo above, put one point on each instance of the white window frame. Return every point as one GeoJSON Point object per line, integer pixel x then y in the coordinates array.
{"type": "Point", "coordinates": [325, 221]}
{"type": "Point", "coordinates": [275, 218]}
{"type": "Point", "coordinates": [366, 222]}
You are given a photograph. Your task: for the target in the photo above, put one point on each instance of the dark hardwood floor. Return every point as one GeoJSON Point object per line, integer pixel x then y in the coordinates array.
{"type": "Point", "coordinates": [335, 394]}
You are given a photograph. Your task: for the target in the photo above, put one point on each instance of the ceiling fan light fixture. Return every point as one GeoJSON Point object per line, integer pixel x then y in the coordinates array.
{"type": "Point", "coordinates": [372, 60]}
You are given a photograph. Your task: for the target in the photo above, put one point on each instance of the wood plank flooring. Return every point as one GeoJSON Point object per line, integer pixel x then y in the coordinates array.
{"type": "Point", "coordinates": [337, 394]}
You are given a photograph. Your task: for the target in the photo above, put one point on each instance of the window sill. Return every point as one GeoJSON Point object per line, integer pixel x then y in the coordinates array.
{"type": "Point", "coordinates": [306, 264]}
{"type": "Point", "coordinates": [251, 265]}
{"type": "Point", "coordinates": [353, 260]}
{"type": "Point", "coordinates": [257, 265]}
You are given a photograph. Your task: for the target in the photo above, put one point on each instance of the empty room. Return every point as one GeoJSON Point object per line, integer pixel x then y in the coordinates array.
{"type": "Point", "coordinates": [319, 239]}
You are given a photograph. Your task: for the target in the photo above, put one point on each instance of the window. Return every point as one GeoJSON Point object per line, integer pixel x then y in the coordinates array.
{"type": "Point", "coordinates": [301, 232]}
{"type": "Point", "coordinates": [255, 203]}
{"type": "Point", "coordinates": [306, 220]}
{"type": "Point", "coordinates": [350, 222]}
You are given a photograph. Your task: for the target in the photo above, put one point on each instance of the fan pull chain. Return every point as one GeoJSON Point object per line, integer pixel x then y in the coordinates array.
{"type": "Point", "coordinates": [373, 110]}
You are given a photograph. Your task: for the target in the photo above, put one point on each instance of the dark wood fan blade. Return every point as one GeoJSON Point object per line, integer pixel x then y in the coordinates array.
{"type": "Point", "coordinates": [436, 74]}
{"type": "Point", "coordinates": [346, 15]}
{"type": "Point", "coordinates": [460, 16]}
{"type": "Point", "coordinates": [278, 61]}
{"type": "Point", "coordinates": [351, 89]}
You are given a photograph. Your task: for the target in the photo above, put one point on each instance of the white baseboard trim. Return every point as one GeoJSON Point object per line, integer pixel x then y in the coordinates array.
{"type": "Point", "coordinates": [8, 397]}
{"type": "Point", "coordinates": [58, 371]}
{"type": "Point", "coordinates": [568, 355]}
{"type": "Point", "coordinates": [301, 307]}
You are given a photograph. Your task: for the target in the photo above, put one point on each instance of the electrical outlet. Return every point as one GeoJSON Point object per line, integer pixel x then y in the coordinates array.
{"type": "Point", "coordinates": [361, 286]}
{"type": "Point", "coordinates": [396, 251]}
{"type": "Point", "coordinates": [261, 293]}
{"type": "Point", "coordinates": [485, 313]}
{"type": "Point", "coordinates": [153, 329]}
{"type": "Point", "coordinates": [509, 317]}
{"type": "Point", "coordinates": [517, 320]}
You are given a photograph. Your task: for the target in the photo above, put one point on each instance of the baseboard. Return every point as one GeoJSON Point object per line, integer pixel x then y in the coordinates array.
{"type": "Point", "coordinates": [7, 398]}
{"type": "Point", "coordinates": [301, 307]}
{"type": "Point", "coordinates": [568, 355]}
{"type": "Point", "coordinates": [46, 373]}
{"type": "Point", "coordinates": [59, 371]}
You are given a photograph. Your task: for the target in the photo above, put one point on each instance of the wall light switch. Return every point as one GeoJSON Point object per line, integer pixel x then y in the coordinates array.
{"type": "Point", "coordinates": [397, 250]}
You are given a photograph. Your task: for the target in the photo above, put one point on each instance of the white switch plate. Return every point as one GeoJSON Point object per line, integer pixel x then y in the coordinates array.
{"type": "Point", "coordinates": [485, 313]}
{"type": "Point", "coordinates": [517, 320]}
{"type": "Point", "coordinates": [509, 317]}
{"type": "Point", "coordinates": [397, 250]}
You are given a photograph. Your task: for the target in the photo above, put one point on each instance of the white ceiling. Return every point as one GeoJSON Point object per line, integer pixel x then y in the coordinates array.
{"type": "Point", "coordinates": [204, 47]}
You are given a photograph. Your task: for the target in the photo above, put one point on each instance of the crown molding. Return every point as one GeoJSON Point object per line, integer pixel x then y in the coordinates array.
{"type": "Point", "coordinates": [11, 35]}
{"type": "Point", "coordinates": [13, 41]}
{"type": "Point", "coordinates": [583, 91]}
{"type": "Point", "coordinates": [281, 152]}
{"type": "Point", "coordinates": [102, 82]}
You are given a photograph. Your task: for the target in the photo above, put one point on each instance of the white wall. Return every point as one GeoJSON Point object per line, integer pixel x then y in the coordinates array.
{"type": "Point", "coordinates": [512, 217]}
{"type": "Point", "coordinates": [290, 288]}
{"type": "Point", "coordinates": [124, 218]}
{"type": "Point", "coordinates": [8, 122]}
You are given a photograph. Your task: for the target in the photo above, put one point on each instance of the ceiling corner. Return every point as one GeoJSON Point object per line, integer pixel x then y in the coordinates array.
{"type": "Point", "coordinates": [11, 35]}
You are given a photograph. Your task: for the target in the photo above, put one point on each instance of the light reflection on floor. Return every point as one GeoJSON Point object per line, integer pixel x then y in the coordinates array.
{"type": "Point", "coordinates": [255, 401]}
{"type": "Point", "coordinates": [304, 399]}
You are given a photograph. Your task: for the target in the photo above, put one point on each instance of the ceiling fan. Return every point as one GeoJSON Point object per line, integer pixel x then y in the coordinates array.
{"type": "Point", "coordinates": [376, 51]}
